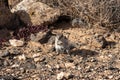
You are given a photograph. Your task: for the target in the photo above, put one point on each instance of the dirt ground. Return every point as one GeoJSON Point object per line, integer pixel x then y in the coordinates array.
{"type": "Point", "coordinates": [88, 61]}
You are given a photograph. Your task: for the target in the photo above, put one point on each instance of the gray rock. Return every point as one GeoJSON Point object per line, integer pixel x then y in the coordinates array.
{"type": "Point", "coordinates": [6, 63]}
{"type": "Point", "coordinates": [42, 59]}
{"type": "Point", "coordinates": [8, 78]}
{"type": "Point", "coordinates": [5, 54]}
{"type": "Point", "coordinates": [28, 65]}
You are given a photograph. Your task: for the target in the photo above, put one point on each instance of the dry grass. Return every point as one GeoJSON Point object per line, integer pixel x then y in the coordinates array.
{"type": "Point", "coordinates": [106, 13]}
{"type": "Point", "coordinates": [102, 12]}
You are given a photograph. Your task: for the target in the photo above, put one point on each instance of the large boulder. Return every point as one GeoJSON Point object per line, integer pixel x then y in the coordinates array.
{"type": "Point", "coordinates": [35, 13]}
{"type": "Point", "coordinates": [5, 15]}
{"type": "Point", "coordinates": [7, 19]}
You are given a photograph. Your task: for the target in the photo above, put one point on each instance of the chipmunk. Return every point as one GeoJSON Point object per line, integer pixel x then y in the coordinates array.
{"type": "Point", "coordinates": [62, 44]}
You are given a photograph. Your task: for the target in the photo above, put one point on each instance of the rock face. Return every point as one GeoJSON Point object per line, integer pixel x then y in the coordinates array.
{"type": "Point", "coordinates": [34, 13]}
{"type": "Point", "coordinates": [12, 3]}
{"type": "Point", "coordinates": [5, 15]}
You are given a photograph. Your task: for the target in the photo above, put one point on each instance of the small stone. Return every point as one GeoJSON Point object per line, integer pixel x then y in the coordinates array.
{"type": "Point", "coordinates": [28, 65]}
{"type": "Point", "coordinates": [22, 57]}
{"type": "Point", "coordinates": [63, 75]}
{"type": "Point", "coordinates": [15, 65]}
{"type": "Point", "coordinates": [112, 36]}
{"type": "Point", "coordinates": [32, 37]}
{"type": "Point", "coordinates": [37, 78]}
{"type": "Point", "coordinates": [68, 75]}
{"type": "Point", "coordinates": [36, 46]}
{"type": "Point", "coordinates": [8, 78]}
{"type": "Point", "coordinates": [38, 36]}
{"type": "Point", "coordinates": [16, 43]}
{"type": "Point", "coordinates": [6, 63]}
{"type": "Point", "coordinates": [93, 60]}
{"type": "Point", "coordinates": [38, 65]}
{"type": "Point", "coordinates": [36, 59]}
{"type": "Point", "coordinates": [57, 66]}
{"type": "Point", "coordinates": [36, 55]}
{"type": "Point", "coordinates": [22, 70]}
{"type": "Point", "coordinates": [110, 77]}
{"type": "Point", "coordinates": [60, 76]}
{"type": "Point", "coordinates": [42, 59]}
{"type": "Point", "coordinates": [5, 54]}
{"type": "Point", "coordinates": [79, 68]}
{"type": "Point", "coordinates": [69, 65]}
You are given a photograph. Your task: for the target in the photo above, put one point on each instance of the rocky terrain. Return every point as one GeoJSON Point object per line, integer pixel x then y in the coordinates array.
{"type": "Point", "coordinates": [88, 61]}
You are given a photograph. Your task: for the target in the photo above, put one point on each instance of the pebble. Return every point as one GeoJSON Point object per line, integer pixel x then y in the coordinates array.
{"type": "Point", "coordinates": [57, 66]}
{"type": "Point", "coordinates": [79, 68]}
{"type": "Point", "coordinates": [32, 37]}
{"type": "Point", "coordinates": [35, 46]}
{"type": "Point", "coordinates": [28, 65]}
{"type": "Point", "coordinates": [16, 43]}
{"type": "Point", "coordinates": [6, 63]}
{"type": "Point", "coordinates": [36, 55]}
{"type": "Point", "coordinates": [36, 59]}
{"type": "Point", "coordinates": [22, 57]}
{"type": "Point", "coordinates": [93, 60]}
{"type": "Point", "coordinates": [42, 59]}
{"type": "Point", "coordinates": [37, 78]}
{"type": "Point", "coordinates": [15, 65]}
{"type": "Point", "coordinates": [63, 75]}
{"type": "Point", "coordinates": [38, 65]}
{"type": "Point", "coordinates": [60, 76]}
{"type": "Point", "coordinates": [70, 65]}
{"type": "Point", "coordinates": [5, 54]}
{"type": "Point", "coordinates": [22, 70]}
{"type": "Point", "coordinates": [8, 78]}
{"type": "Point", "coordinates": [110, 77]}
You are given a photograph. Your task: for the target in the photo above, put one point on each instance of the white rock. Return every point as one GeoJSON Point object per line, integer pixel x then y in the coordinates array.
{"type": "Point", "coordinates": [111, 76]}
{"type": "Point", "coordinates": [60, 76]}
{"type": "Point", "coordinates": [36, 59]}
{"type": "Point", "coordinates": [36, 55]}
{"type": "Point", "coordinates": [16, 43]}
{"type": "Point", "coordinates": [57, 66]}
{"type": "Point", "coordinates": [15, 65]}
{"type": "Point", "coordinates": [22, 57]}
{"type": "Point", "coordinates": [70, 65]}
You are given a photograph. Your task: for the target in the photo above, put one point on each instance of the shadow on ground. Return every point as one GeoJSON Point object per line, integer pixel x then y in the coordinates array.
{"type": "Point", "coordinates": [111, 43]}
{"type": "Point", "coordinates": [84, 53]}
